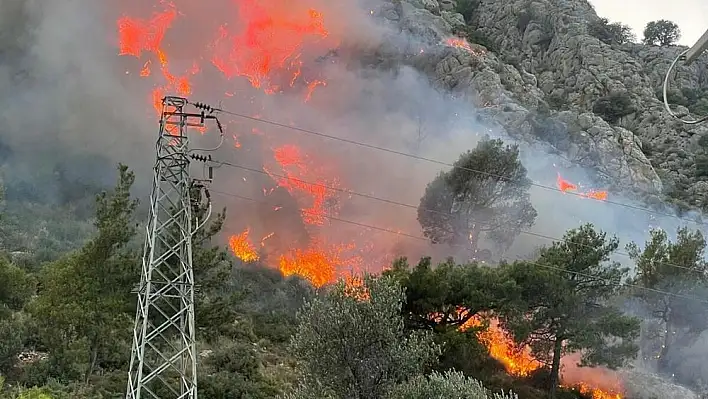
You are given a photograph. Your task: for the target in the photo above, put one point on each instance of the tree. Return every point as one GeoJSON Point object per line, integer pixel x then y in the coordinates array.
{"type": "Point", "coordinates": [485, 193]}
{"type": "Point", "coordinates": [672, 272]}
{"type": "Point", "coordinates": [351, 342]}
{"type": "Point", "coordinates": [560, 304]}
{"type": "Point", "coordinates": [455, 292]}
{"type": "Point", "coordinates": [661, 32]}
{"type": "Point", "coordinates": [84, 308]}
{"type": "Point", "coordinates": [610, 33]}
{"type": "Point", "coordinates": [16, 288]}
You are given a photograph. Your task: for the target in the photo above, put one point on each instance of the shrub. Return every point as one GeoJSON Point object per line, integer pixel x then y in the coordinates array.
{"type": "Point", "coordinates": [701, 166]}
{"type": "Point", "coordinates": [467, 8]}
{"type": "Point", "coordinates": [557, 101]}
{"type": "Point", "coordinates": [451, 384]}
{"type": "Point", "coordinates": [610, 33]}
{"type": "Point", "coordinates": [523, 20]}
{"type": "Point", "coordinates": [700, 107]}
{"type": "Point", "coordinates": [614, 106]}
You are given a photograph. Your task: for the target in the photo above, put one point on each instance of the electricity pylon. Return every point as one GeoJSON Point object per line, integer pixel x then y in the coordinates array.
{"type": "Point", "coordinates": [163, 361]}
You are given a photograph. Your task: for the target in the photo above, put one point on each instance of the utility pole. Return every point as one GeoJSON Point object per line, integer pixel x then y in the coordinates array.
{"type": "Point", "coordinates": [163, 361]}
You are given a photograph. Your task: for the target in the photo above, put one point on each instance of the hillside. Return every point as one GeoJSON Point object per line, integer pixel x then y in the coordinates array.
{"type": "Point", "coordinates": [540, 75]}
{"type": "Point", "coordinates": [425, 141]}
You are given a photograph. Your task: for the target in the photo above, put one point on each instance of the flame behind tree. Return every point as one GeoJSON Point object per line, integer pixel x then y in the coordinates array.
{"type": "Point", "coordinates": [562, 310]}
{"type": "Point", "coordinates": [683, 319]}
{"type": "Point", "coordinates": [485, 193]}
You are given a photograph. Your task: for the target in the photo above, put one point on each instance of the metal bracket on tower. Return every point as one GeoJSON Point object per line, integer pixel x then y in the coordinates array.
{"type": "Point", "coordinates": [163, 361]}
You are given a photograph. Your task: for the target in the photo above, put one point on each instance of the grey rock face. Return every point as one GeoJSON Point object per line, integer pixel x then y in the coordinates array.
{"type": "Point", "coordinates": [550, 39]}
{"type": "Point", "coordinates": [553, 56]}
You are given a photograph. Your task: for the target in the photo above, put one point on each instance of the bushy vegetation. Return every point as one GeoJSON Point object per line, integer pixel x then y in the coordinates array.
{"type": "Point", "coordinates": [65, 323]}
{"type": "Point", "coordinates": [610, 33]}
{"type": "Point", "coordinates": [694, 99]}
{"type": "Point", "coordinates": [662, 33]}
{"type": "Point", "coordinates": [614, 106]}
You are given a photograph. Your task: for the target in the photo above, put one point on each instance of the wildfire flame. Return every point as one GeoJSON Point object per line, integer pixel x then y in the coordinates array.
{"type": "Point", "coordinates": [269, 43]}
{"type": "Point", "coordinates": [565, 186]}
{"type": "Point", "coordinates": [242, 247]}
{"type": "Point", "coordinates": [518, 360]}
{"type": "Point", "coordinates": [461, 43]}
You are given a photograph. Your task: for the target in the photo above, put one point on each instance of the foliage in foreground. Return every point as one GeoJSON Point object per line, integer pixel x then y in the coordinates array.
{"type": "Point", "coordinates": [351, 343]}
{"type": "Point", "coordinates": [451, 384]}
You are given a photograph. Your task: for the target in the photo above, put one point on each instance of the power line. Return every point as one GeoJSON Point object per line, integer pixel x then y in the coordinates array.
{"type": "Point", "coordinates": [437, 162]}
{"type": "Point", "coordinates": [410, 206]}
{"type": "Point", "coordinates": [550, 267]}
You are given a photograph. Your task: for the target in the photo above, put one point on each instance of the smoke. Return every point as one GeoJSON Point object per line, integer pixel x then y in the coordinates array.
{"type": "Point", "coordinates": [73, 102]}
{"type": "Point", "coordinates": [66, 107]}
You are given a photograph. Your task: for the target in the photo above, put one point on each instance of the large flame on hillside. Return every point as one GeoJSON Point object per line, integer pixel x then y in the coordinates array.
{"type": "Point", "coordinates": [264, 42]}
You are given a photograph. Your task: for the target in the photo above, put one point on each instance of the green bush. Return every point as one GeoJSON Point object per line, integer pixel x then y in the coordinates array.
{"type": "Point", "coordinates": [701, 166]}
{"type": "Point", "coordinates": [614, 106]}
{"type": "Point", "coordinates": [451, 384]}
{"type": "Point", "coordinates": [610, 33]}
{"type": "Point", "coordinates": [467, 8]}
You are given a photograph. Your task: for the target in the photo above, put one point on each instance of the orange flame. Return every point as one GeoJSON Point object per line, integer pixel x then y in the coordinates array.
{"type": "Point", "coordinates": [596, 393]}
{"type": "Point", "coordinates": [317, 263]}
{"type": "Point", "coordinates": [518, 360]}
{"type": "Point", "coordinates": [270, 43]}
{"type": "Point", "coordinates": [298, 172]}
{"type": "Point", "coordinates": [461, 43]}
{"type": "Point", "coordinates": [566, 186]}
{"type": "Point", "coordinates": [242, 247]}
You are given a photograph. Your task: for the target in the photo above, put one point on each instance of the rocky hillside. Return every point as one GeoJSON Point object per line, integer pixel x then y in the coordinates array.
{"type": "Point", "coordinates": [536, 70]}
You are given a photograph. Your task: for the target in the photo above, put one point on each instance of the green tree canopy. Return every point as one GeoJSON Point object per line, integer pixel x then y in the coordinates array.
{"type": "Point", "coordinates": [16, 288]}
{"type": "Point", "coordinates": [85, 307]}
{"type": "Point", "coordinates": [661, 32]}
{"type": "Point", "coordinates": [561, 303]}
{"type": "Point", "coordinates": [673, 272]}
{"type": "Point", "coordinates": [455, 292]}
{"type": "Point", "coordinates": [351, 342]}
{"type": "Point", "coordinates": [485, 193]}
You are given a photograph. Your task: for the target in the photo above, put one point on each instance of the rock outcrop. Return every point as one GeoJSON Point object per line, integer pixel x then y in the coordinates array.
{"type": "Point", "coordinates": [540, 75]}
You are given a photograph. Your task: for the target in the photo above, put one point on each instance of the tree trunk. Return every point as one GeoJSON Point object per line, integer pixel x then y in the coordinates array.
{"type": "Point", "coordinates": [663, 363]}
{"type": "Point", "coordinates": [555, 368]}
{"type": "Point", "coordinates": [92, 363]}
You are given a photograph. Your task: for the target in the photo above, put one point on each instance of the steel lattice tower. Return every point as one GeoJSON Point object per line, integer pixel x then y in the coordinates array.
{"type": "Point", "coordinates": [164, 360]}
